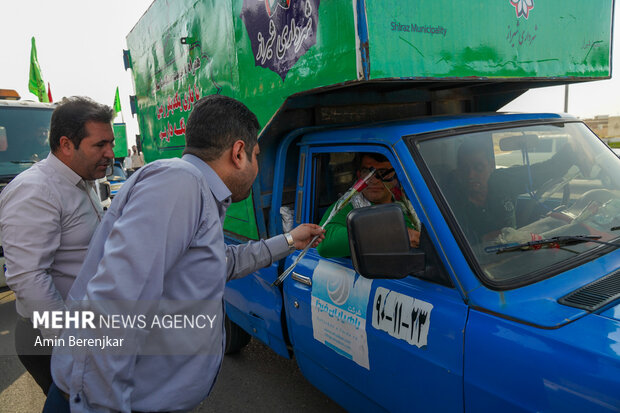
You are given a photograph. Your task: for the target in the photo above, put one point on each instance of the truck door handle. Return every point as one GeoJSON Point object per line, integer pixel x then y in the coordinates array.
{"type": "Point", "coordinates": [302, 279]}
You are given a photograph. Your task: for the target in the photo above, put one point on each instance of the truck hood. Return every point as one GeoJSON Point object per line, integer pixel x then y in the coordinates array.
{"type": "Point", "coordinates": [612, 312]}
{"type": "Point", "coordinates": [597, 334]}
{"type": "Point", "coordinates": [544, 303]}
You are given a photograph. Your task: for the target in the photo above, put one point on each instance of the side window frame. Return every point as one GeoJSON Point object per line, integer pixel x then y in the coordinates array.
{"type": "Point", "coordinates": [435, 271]}
{"type": "Point", "coordinates": [310, 184]}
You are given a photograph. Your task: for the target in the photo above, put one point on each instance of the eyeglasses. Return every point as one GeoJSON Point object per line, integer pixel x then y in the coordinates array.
{"type": "Point", "coordinates": [384, 175]}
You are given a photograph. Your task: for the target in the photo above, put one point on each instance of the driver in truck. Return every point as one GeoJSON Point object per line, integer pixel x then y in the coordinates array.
{"type": "Point", "coordinates": [483, 197]}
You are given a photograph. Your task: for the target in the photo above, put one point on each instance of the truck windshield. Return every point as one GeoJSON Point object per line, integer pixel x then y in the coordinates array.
{"type": "Point", "coordinates": [522, 184]}
{"type": "Point", "coordinates": [23, 138]}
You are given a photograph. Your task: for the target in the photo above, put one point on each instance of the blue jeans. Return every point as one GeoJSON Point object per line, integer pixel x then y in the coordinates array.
{"type": "Point", "coordinates": [56, 402]}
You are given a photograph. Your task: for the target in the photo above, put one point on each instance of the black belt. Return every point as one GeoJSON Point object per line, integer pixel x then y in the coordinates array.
{"type": "Point", "coordinates": [66, 396]}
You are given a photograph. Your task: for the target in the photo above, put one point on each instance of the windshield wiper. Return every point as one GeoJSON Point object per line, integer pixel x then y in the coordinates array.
{"type": "Point", "coordinates": [554, 242]}
{"type": "Point", "coordinates": [24, 161]}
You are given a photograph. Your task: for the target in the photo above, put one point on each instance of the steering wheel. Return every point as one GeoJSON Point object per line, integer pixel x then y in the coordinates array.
{"type": "Point", "coordinates": [553, 185]}
{"type": "Point", "coordinates": [601, 196]}
{"type": "Point", "coordinates": [589, 203]}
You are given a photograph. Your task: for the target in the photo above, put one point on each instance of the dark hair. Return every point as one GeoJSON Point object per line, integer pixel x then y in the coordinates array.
{"type": "Point", "coordinates": [216, 122]}
{"type": "Point", "coordinates": [373, 155]}
{"type": "Point", "coordinates": [473, 147]}
{"type": "Point", "coordinates": [70, 117]}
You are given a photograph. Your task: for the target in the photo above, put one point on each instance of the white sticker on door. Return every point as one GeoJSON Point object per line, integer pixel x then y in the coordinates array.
{"type": "Point", "coordinates": [339, 303]}
{"type": "Point", "coordinates": [401, 316]}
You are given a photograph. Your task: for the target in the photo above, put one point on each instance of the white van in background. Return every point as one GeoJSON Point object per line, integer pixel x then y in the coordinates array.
{"type": "Point", "coordinates": [24, 128]}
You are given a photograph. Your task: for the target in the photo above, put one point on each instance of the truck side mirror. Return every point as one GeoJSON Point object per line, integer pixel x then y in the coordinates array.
{"type": "Point", "coordinates": [379, 243]}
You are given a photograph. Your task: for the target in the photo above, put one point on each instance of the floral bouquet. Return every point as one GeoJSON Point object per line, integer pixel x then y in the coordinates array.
{"type": "Point", "coordinates": [357, 187]}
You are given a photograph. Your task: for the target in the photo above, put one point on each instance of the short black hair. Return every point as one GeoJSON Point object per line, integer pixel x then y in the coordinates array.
{"type": "Point", "coordinates": [216, 122]}
{"type": "Point", "coordinates": [357, 162]}
{"type": "Point", "coordinates": [70, 117]}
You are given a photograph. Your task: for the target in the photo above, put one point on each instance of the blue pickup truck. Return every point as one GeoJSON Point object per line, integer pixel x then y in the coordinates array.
{"type": "Point", "coordinates": [533, 328]}
{"type": "Point", "coordinates": [511, 304]}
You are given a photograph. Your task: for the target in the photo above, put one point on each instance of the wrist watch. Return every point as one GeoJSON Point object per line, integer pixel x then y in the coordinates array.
{"type": "Point", "coordinates": [289, 240]}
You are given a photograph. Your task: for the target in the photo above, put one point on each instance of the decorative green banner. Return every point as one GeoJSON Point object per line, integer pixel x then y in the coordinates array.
{"type": "Point", "coordinates": [120, 140]}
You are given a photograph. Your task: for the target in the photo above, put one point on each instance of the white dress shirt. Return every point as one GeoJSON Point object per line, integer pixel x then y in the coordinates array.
{"type": "Point", "coordinates": [48, 215]}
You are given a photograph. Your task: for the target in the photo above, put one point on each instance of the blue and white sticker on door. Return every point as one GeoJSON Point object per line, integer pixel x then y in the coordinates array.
{"type": "Point", "coordinates": [339, 303]}
{"type": "Point", "coordinates": [402, 316]}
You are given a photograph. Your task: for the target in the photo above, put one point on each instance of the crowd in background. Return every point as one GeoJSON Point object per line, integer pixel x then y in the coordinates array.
{"type": "Point", "coordinates": [134, 160]}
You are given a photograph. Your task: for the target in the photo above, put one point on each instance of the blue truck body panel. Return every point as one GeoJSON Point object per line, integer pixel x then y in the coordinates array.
{"type": "Point", "coordinates": [514, 367]}
{"type": "Point", "coordinates": [428, 378]}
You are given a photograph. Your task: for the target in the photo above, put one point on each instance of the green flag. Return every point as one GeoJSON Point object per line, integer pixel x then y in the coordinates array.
{"type": "Point", "coordinates": [36, 84]}
{"type": "Point", "coordinates": [117, 102]}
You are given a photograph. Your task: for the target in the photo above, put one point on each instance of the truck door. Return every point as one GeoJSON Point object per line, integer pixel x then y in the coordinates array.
{"type": "Point", "coordinates": [372, 345]}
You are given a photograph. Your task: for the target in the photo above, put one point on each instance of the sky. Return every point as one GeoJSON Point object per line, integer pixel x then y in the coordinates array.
{"type": "Point", "coordinates": [80, 45]}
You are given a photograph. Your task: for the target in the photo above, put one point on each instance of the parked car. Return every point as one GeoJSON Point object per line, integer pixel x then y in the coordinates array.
{"type": "Point", "coordinates": [116, 178]}
{"type": "Point", "coordinates": [104, 192]}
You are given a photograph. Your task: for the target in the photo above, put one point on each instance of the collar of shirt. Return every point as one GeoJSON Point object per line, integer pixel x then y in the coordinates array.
{"type": "Point", "coordinates": [63, 169]}
{"type": "Point", "coordinates": [69, 174]}
{"type": "Point", "coordinates": [218, 188]}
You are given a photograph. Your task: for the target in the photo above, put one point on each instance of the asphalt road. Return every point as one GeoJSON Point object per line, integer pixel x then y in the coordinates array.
{"type": "Point", "coordinates": [256, 379]}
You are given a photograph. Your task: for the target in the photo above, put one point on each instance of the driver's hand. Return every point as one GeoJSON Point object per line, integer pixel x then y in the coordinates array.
{"type": "Point", "coordinates": [414, 237]}
{"type": "Point", "coordinates": [578, 155]}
